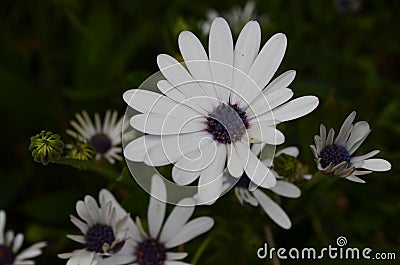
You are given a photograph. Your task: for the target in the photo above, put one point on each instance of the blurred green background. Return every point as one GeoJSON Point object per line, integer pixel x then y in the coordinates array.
{"type": "Point", "coordinates": [59, 57]}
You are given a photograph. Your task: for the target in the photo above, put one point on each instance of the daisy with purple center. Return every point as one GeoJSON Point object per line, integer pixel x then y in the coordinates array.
{"type": "Point", "coordinates": [152, 248]}
{"type": "Point", "coordinates": [104, 231]}
{"type": "Point", "coordinates": [105, 137]}
{"type": "Point", "coordinates": [335, 156]}
{"type": "Point", "coordinates": [11, 244]}
{"type": "Point", "coordinates": [215, 107]}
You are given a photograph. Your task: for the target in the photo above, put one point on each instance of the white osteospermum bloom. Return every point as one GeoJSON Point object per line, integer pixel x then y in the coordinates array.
{"type": "Point", "coordinates": [152, 248]}
{"type": "Point", "coordinates": [334, 156]}
{"type": "Point", "coordinates": [258, 197]}
{"type": "Point", "coordinates": [104, 231]}
{"type": "Point", "coordinates": [105, 138]}
{"type": "Point", "coordinates": [10, 246]}
{"type": "Point", "coordinates": [215, 107]}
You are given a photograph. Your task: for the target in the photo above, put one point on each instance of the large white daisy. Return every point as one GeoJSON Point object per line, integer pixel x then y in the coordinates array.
{"type": "Point", "coordinates": [104, 137]}
{"type": "Point", "coordinates": [256, 197]}
{"type": "Point", "coordinates": [11, 244]}
{"type": "Point", "coordinates": [152, 248]}
{"type": "Point", "coordinates": [104, 231]}
{"type": "Point", "coordinates": [213, 108]}
{"type": "Point", "coordinates": [335, 156]}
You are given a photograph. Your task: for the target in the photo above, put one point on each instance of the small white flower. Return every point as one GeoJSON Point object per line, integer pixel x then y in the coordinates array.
{"type": "Point", "coordinates": [104, 230]}
{"type": "Point", "coordinates": [10, 246]}
{"type": "Point", "coordinates": [258, 197]}
{"type": "Point", "coordinates": [105, 138]}
{"type": "Point", "coordinates": [334, 156]}
{"type": "Point", "coordinates": [237, 17]}
{"type": "Point", "coordinates": [152, 248]}
{"type": "Point", "coordinates": [214, 107]}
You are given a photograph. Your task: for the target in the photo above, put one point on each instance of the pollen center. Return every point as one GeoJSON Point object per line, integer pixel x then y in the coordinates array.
{"type": "Point", "coordinates": [98, 236]}
{"type": "Point", "coordinates": [150, 251]}
{"type": "Point", "coordinates": [334, 154]}
{"type": "Point", "coordinates": [227, 123]}
{"type": "Point", "coordinates": [101, 143]}
{"type": "Point", "coordinates": [6, 255]}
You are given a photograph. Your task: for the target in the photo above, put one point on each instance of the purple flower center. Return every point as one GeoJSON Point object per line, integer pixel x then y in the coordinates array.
{"type": "Point", "coordinates": [227, 123]}
{"type": "Point", "coordinates": [6, 255]}
{"type": "Point", "coordinates": [101, 143]}
{"type": "Point", "coordinates": [97, 236]}
{"type": "Point", "coordinates": [150, 251]}
{"type": "Point", "coordinates": [334, 154]}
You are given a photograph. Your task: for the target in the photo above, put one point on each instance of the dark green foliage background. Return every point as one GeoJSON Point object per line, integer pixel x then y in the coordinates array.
{"type": "Point", "coordinates": [59, 57]}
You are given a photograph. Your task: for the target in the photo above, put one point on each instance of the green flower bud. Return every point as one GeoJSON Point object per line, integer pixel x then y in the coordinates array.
{"type": "Point", "coordinates": [46, 147]}
{"type": "Point", "coordinates": [285, 165]}
{"type": "Point", "coordinates": [81, 151]}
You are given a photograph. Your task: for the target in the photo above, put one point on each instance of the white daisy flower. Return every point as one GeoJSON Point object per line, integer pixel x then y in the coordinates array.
{"type": "Point", "coordinates": [10, 246]}
{"type": "Point", "coordinates": [215, 107]}
{"type": "Point", "coordinates": [104, 228]}
{"type": "Point", "coordinates": [335, 156]}
{"type": "Point", "coordinates": [152, 248]}
{"type": "Point", "coordinates": [105, 138]}
{"type": "Point", "coordinates": [237, 17]}
{"type": "Point", "coordinates": [257, 197]}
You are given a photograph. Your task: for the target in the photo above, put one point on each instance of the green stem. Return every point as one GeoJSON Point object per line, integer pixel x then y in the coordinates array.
{"type": "Point", "coordinates": [316, 178]}
{"type": "Point", "coordinates": [201, 249]}
{"type": "Point", "coordinates": [90, 165]}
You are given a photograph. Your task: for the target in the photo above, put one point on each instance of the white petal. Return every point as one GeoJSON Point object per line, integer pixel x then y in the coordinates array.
{"type": "Point", "coordinates": [246, 50]}
{"type": "Point", "coordinates": [221, 56]}
{"type": "Point", "coordinates": [32, 251]}
{"type": "Point", "coordinates": [170, 91]}
{"type": "Point", "coordinates": [93, 208]}
{"type": "Point", "coordinates": [191, 230]}
{"type": "Point", "coordinates": [265, 134]}
{"type": "Point", "coordinates": [235, 167]}
{"type": "Point", "coordinates": [357, 159]}
{"type": "Point", "coordinates": [18, 240]}
{"type": "Point", "coordinates": [210, 182]}
{"type": "Point", "coordinates": [331, 135]}
{"type": "Point", "coordinates": [291, 150]}
{"type": "Point", "coordinates": [176, 255]}
{"type": "Point", "coordinates": [282, 81]}
{"type": "Point", "coordinates": [322, 132]}
{"type": "Point", "coordinates": [265, 103]}
{"type": "Point", "coordinates": [199, 159]}
{"type": "Point", "coordinates": [257, 148]}
{"type": "Point", "coordinates": [286, 189]}
{"type": "Point", "coordinates": [77, 238]}
{"type": "Point", "coordinates": [179, 77]}
{"type": "Point", "coordinates": [295, 108]}
{"type": "Point", "coordinates": [257, 172]}
{"type": "Point", "coordinates": [355, 179]}
{"type": "Point", "coordinates": [2, 225]}
{"type": "Point", "coordinates": [183, 177]}
{"type": "Point", "coordinates": [78, 223]}
{"type": "Point", "coordinates": [177, 219]}
{"type": "Point", "coordinates": [267, 62]}
{"type": "Point", "coordinates": [156, 209]}
{"type": "Point", "coordinates": [273, 210]}
{"type": "Point", "coordinates": [359, 133]}
{"type": "Point", "coordinates": [136, 150]}
{"type": "Point", "coordinates": [147, 101]}
{"type": "Point", "coordinates": [345, 129]}
{"type": "Point", "coordinates": [157, 124]}
{"type": "Point", "coordinates": [196, 60]}
{"type": "Point", "coordinates": [173, 147]}
{"type": "Point", "coordinates": [376, 164]}
{"type": "Point", "coordinates": [84, 214]}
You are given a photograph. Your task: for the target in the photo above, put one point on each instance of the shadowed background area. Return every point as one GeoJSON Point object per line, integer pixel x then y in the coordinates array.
{"type": "Point", "coordinates": [59, 57]}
